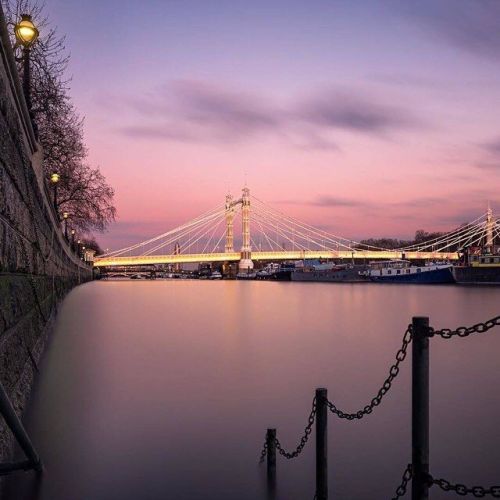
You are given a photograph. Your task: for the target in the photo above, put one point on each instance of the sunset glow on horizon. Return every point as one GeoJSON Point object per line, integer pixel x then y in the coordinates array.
{"type": "Point", "coordinates": [362, 118]}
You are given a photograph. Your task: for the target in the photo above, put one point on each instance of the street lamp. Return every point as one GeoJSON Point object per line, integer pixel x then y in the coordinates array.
{"type": "Point", "coordinates": [54, 179]}
{"type": "Point", "coordinates": [73, 239]}
{"type": "Point", "coordinates": [26, 35]}
{"type": "Point", "coordinates": [65, 217]}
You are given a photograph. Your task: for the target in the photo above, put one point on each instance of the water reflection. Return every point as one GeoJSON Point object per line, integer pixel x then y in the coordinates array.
{"type": "Point", "coordinates": [158, 390]}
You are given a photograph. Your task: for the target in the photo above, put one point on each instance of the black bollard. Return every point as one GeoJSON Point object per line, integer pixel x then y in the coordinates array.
{"type": "Point", "coordinates": [420, 408]}
{"type": "Point", "coordinates": [321, 445]}
{"type": "Point", "coordinates": [271, 463]}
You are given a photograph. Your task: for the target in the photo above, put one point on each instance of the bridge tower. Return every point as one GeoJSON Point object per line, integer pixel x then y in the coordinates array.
{"type": "Point", "coordinates": [229, 248]}
{"type": "Point", "coordinates": [177, 251]}
{"type": "Point", "coordinates": [246, 248]}
{"type": "Point", "coordinates": [489, 229]}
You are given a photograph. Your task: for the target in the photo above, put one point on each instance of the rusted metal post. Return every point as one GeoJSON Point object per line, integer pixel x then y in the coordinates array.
{"type": "Point", "coordinates": [321, 445]}
{"type": "Point", "coordinates": [420, 408]}
{"type": "Point", "coordinates": [17, 428]}
{"type": "Point", "coordinates": [271, 463]}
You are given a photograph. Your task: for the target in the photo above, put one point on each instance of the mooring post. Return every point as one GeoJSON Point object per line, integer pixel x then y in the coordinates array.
{"type": "Point", "coordinates": [321, 445]}
{"type": "Point", "coordinates": [271, 450]}
{"type": "Point", "coordinates": [420, 408]}
{"type": "Point", "coordinates": [17, 428]}
{"type": "Point", "coordinates": [271, 463]}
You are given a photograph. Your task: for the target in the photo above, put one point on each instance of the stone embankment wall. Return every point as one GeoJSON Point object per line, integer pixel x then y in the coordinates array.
{"type": "Point", "coordinates": [37, 266]}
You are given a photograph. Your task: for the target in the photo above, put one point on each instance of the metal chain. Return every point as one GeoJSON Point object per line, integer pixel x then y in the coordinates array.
{"type": "Point", "coordinates": [462, 490]}
{"type": "Point", "coordinates": [464, 331]}
{"type": "Point", "coordinates": [401, 489]}
{"type": "Point", "coordinates": [263, 453]}
{"type": "Point", "coordinates": [303, 439]}
{"type": "Point", "coordinates": [393, 373]}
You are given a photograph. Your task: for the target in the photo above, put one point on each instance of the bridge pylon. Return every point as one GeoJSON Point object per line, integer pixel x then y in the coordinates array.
{"type": "Point", "coordinates": [490, 224]}
{"type": "Point", "coordinates": [229, 248]}
{"type": "Point", "coordinates": [246, 263]}
{"type": "Point", "coordinates": [177, 251]}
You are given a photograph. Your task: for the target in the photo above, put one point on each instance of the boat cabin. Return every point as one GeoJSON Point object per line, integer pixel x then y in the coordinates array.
{"type": "Point", "coordinates": [485, 260]}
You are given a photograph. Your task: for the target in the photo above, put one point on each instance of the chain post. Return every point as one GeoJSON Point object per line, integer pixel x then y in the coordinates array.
{"type": "Point", "coordinates": [420, 408]}
{"type": "Point", "coordinates": [271, 462]}
{"type": "Point", "coordinates": [321, 444]}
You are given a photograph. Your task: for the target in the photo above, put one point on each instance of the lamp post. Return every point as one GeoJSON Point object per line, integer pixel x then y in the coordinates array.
{"type": "Point", "coordinates": [73, 239]}
{"type": "Point", "coordinates": [26, 35]}
{"type": "Point", "coordinates": [65, 218]}
{"type": "Point", "coordinates": [54, 179]}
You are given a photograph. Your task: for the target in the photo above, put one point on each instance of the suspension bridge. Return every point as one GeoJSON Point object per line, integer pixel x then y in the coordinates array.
{"type": "Point", "coordinates": [270, 235]}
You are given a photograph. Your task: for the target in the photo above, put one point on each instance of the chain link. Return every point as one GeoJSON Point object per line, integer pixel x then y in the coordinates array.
{"type": "Point", "coordinates": [393, 373]}
{"type": "Point", "coordinates": [401, 489]}
{"type": "Point", "coordinates": [303, 439]}
{"type": "Point", "coordinates": [462, 490]}
{"type": "Point", "coordinates": [464, 331]}
{"type": "Point", "coordinates": [263, 453]}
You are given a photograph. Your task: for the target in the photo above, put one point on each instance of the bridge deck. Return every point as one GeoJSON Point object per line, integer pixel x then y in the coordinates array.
{"type": "Point", "coordinates": [271, 256]}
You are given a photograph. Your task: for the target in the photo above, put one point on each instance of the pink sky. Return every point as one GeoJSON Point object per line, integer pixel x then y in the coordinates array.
{"type": "Point", "coordinates": [374, 119]}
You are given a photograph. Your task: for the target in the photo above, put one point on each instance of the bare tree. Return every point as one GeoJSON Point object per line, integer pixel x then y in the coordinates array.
{"type": "Point", "coordinates": [82, 189]}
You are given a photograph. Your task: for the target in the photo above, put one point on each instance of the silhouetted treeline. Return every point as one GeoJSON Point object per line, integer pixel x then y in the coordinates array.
{"type": "Point", "coordinates": [421, 236]}
{"type": "Point", "coordinates": [387, 243]}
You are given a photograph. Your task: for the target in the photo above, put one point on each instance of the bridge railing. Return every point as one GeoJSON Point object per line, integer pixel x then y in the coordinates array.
{"type": "Point", "coordinates": [418, 334]}
{"type": "Point", "coordinates": [108, 261]}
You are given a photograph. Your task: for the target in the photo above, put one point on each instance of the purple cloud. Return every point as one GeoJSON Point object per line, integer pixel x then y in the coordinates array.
{"type": "Point", "coordinates": [199, 112]}
{"type": "Point", "coordinates": [492, 147]}
{"type": "Point", "coordinates": [471, 25]}
{"type": "Point", "coordinates": [351, 111]}
{"type": "Point", "coordinates": [490, 158]}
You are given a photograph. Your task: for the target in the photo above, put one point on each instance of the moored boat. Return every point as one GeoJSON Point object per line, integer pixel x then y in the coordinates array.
{"type": "Point", "coordinates": [216, 275]}
{"type": "Point", "coordinates": [246, 275]}
{"type": "Point", "coordinates": [403, 271]}
{"type": "Point", "coordinates": [479, 268]}
{"type": "Point", "coordinates": [267, 272]}
{"type": "Point", "coordinates": [344, 273]}
{"type": "Point", "coordinates": [284, 272]}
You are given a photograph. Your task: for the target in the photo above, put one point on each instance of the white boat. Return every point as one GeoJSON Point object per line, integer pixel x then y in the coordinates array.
{"type": "Point", "coordinates": [267, 271]}
{"type": "Point", "coordinates": [216, 275]}
{"type": "Point", "coordinates": [263, 273]}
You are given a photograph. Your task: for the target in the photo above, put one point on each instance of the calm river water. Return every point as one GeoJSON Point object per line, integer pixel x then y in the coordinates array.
{"type": "Point", "coordinates": [163, 389]}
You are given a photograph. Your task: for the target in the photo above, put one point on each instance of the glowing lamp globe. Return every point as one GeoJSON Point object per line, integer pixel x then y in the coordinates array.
{"type": "Point", "coordinates": [54, 178]}
{"type": "Point", "coordinates": [26, 32]}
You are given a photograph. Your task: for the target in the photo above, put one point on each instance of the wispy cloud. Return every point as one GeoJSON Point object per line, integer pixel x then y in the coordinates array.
{"type": "Point", "coordinates": [493, 147]}
{"type": "Point", "coordinates": [354, 112]}
{"type": "Point", "coordinates": [196, 111]}
{"type": "Point", "coordinates": [326, 201]}
{"type": "Point", "coordinates": [471, 25]}
{"type": "Point", "coordinates": [490, 156]}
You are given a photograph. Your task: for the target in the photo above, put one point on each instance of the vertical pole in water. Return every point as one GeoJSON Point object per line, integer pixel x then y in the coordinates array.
{"type": "Point", "coordinates": [321, 445]}
{"type": "Point", "coordinates": [420, 408]}
{"type": "Point", "coordinates": [271, 462]}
